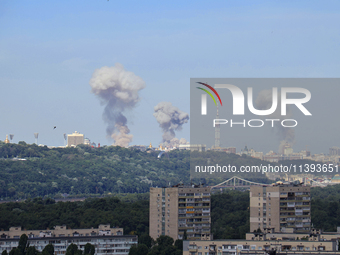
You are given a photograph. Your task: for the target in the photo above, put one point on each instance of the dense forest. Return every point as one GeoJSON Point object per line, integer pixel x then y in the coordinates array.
{"type": "Point", "coordinates": [85, 170]}
{"type": "Point", "coordinates": [28, 171]}
{"type": "Point", "coordinates": [229, 213]}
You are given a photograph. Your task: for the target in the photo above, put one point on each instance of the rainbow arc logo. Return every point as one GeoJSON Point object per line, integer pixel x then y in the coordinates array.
{"type": "Point", "coordinates": [209, 93]}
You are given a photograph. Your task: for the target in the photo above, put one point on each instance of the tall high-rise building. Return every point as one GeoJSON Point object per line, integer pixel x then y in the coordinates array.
{"type": "Point", "coordinates": [180, 211]}
{"type": "Point", "coordinates": [75, 139]}
{"type": "Point", "coordinates": [282, 207]}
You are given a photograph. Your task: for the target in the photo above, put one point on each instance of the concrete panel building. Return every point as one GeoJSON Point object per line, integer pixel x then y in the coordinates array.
{"type": "Point", "coordinates": [237, 246]}
{"type": "Point", "coordinates": [178, 210]}
{"type": "Point", "coordinates": [106, 240]}
{"type": "Point", "coordinates": [284, 207]}
{"type": "Point", "coordinates": [61, 231]}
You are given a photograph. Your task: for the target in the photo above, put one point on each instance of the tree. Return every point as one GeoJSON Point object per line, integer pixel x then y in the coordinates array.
{"type": "Point", "coordinates": [164, 246]}
{"type": "Point", "coordinates": [72, 249]}
{"type": "Point", "coordinates": [48, 250]}
{"type": "Point", "coordinates": [142, 249]}
{"type": "Point", "coordinates": [89, 249]}
{"type": "Point", "coordinates": [179, 244]}
{"type": "Point", "coordinates": [22, 245]}
{"type": "Point", "coordinates": [32, 251]}
{"type": "Point", "coordinates": [4, 252]}
{"type": "Point", "coordinates": [165, 241]}
{"type": "Point", "coordinates": [133, 250]}
{"type": "Point", "coordinates": [145, 239]}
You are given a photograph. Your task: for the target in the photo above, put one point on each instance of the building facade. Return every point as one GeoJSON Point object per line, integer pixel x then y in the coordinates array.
{"type": "Point", "coordinates": [237, 246]}
{"type": "Point", "coordinates": [119, 245]}
{"type": "Point", "coordinates": [180, 211]}
{"type": "Point", "coordinates": [106, 240]}
{"type": "Point", "coordinates": [75, 139]}
{"type": "Point", "coordinates": [281, 207]}
{"type": "Point", "coordinates": [61, 231]}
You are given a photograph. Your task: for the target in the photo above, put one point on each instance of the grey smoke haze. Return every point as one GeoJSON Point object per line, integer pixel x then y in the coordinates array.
{"type": "Point", "coordinates": [118, 91]}
{"type": "Point", "coordinates": [174, 142]}
{"type": "Point", "coordinates": [285, 134]}
{"type": "Point", "coordinates": [170, 119]}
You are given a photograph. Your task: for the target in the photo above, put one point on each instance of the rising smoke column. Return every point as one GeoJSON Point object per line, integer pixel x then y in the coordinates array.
{"type": "Point", "coordinates": [118, 91]}
{"type": "Point", "coordinates": [170, 119]}
{"type": "Point", "coordinates": [285, 134]}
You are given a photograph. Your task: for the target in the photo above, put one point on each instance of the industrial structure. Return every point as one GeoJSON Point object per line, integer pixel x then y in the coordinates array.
{"type": "Point", "coordinates": [180, 211]}
{"type": "Point", "coordinates": [36, 135]}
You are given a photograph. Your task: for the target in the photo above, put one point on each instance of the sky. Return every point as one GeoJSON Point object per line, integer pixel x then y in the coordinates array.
{"type": "Point", "coordinates": [49, 51]}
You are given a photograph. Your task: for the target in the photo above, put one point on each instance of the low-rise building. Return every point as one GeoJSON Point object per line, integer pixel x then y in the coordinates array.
{"type": "Point", "coordinates": [106, 240]}
{"type": "Point", "coordinates": [235, 247]}
{"type": "Point", "coordinates": [62, 231]}
{"type": "Point", "coordinates": [103, 244]}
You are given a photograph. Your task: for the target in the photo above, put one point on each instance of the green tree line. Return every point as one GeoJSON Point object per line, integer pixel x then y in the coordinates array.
{"type": "Point", "coordinates": [87, 171]}
{"type": "Point", "coordinates": [229, 213]}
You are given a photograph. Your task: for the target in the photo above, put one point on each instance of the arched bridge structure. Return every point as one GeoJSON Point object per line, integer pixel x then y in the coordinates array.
{"type": "Point", "coordinates": [236, 182]}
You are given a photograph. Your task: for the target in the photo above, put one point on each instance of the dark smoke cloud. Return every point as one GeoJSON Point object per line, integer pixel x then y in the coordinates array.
{"type": "Point", "coordinates": [285, 134]}
{"type": "Point", "coordinates": [170, 119]}
{"type": "Point", "coordinates": [118, 91]}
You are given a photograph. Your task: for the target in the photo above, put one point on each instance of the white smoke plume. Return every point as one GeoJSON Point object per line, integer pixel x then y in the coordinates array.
{"type": "Point", "coordinates": [170, 119]}
{"type": "Point", "coordinates": [118, 91]}
{"type": "Point", "coordinates": [285, 134]}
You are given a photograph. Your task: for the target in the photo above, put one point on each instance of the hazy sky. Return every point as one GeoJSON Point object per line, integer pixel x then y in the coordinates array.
{"type": "Point", "coordinates": [50, 49]}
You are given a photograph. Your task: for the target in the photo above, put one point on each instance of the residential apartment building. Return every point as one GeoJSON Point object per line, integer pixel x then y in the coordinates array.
{"type": "Point", "coordinates": [237, 246]}
{"type": "Point", "coordinates": [314, 235]}
{"type": "Point", "coordinates": [179, 211]}
{"type": "Point", "coordinates": [281, 207]}
{"type": "Point", "coordinates": [117, 245]}
{"type": "Point", "coordinates": [62, 231]}
{"type": "Point", "coordinates": [106, 240]}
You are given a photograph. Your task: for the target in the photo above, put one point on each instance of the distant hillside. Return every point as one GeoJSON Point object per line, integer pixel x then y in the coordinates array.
{"type": "Point", "coordinates": [86, 171]}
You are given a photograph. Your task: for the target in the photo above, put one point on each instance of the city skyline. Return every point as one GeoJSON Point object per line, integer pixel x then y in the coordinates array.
{"type": "Point", "coordinates": [49, 53]}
